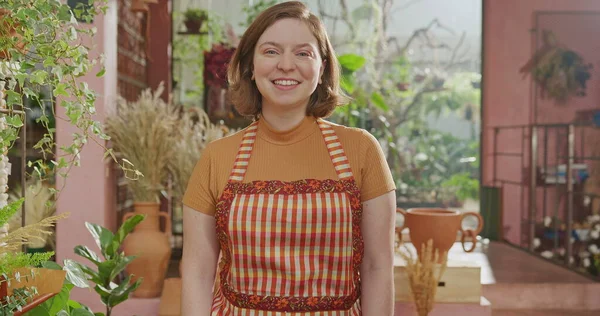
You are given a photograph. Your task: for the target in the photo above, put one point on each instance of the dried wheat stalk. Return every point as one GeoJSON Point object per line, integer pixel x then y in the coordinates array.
{"type": "Point", "coordinates": [143, 132]}
{"type": "Point", "coordinates": [421, 275]}
{"type": "Point", "coordinates": [38, 231]}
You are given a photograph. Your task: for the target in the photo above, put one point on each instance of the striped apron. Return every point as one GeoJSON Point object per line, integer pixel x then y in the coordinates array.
{"type": "Point", "coordinates": [289, 247]}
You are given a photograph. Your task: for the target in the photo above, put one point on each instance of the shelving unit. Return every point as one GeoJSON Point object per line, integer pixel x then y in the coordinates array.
{"type": "Point", "coordinates": [555, 206]}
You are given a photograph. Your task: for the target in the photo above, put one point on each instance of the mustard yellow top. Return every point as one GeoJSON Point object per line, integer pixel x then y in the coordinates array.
{"type": "Point", "coordinates": [296, 154]}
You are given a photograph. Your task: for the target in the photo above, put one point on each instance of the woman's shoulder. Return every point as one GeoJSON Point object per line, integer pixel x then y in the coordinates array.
{"type": "Point", "coordinates": [227, 144]}
{"type": "Point", "coordinates": [346, 133]}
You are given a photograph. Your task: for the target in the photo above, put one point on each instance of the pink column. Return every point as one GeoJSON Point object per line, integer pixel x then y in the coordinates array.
{"type": "Point", "coordinates": [88, 192]}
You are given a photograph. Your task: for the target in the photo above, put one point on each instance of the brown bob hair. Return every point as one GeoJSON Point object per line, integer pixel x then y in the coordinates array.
{"type": "Point", "coordinates": [243, 92]}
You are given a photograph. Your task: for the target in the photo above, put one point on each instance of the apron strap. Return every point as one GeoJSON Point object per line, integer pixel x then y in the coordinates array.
{"type": "Point", "coordinates": [334, 147]}
{"type": "Point", "coordinates": [243, 156]}
{"type": "Point", "coordinates": [336, 151]}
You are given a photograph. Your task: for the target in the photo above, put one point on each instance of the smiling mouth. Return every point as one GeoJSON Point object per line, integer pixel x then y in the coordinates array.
{"type": "Point", "coordinates": [286, 82]}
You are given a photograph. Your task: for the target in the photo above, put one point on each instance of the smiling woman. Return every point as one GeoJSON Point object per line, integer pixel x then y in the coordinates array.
{"type": "Point", "coordinates": [299, 211]}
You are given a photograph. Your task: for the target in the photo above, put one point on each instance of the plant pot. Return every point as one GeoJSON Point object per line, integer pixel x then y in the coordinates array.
{"type": "Point", "coordinates": [193, 26]}
{"type": "Point", "coordinates": [151, 247]}
{"type": "Point", "coordinates": [48, 283]}
{"type": "Point", "coordinates": [438, 224]}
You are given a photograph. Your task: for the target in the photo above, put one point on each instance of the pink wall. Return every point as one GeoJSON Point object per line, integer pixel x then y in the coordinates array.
{"type": "Point", "coordinates": [88, 192]}
{"type": "Point", "coordinates": [508, 97]}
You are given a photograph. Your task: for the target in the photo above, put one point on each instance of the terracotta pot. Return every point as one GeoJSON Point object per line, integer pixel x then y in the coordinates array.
{"type": "Point", "coordinates": [193, 26]}
{"type": "Point", "coordinates": [152, 248]}
{"type": "Point", "coordinates": [438, 224]}
{"type": "Point", "coordinates": [48, 283]}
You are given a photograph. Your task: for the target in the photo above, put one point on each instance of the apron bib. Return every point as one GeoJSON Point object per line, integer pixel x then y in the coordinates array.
{"type": "Point", "coordinates": [289, 247]}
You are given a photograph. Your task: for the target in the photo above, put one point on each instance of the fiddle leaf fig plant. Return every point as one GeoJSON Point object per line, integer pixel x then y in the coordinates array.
{"type": "Point", "coordinates": [113, 263]}
{"type": "Point", "coordinates": [112, 291]}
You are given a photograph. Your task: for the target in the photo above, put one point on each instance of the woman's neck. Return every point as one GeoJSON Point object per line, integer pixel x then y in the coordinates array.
{"type": "Point", "coordinates": [283, 120]}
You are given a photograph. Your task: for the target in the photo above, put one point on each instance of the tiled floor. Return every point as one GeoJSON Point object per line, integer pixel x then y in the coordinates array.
{"type": "Point", "coordinates": [507, 264]}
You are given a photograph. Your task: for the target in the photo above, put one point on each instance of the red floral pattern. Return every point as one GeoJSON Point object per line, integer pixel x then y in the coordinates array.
{"type": "Point", "coordinates": [284, 303]}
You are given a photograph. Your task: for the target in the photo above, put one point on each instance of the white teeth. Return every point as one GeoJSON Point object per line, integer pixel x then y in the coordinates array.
{"type": "Point", "coordinates": [285, 82]}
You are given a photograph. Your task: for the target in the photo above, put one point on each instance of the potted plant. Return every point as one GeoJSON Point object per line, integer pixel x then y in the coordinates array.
{"type": "Point", "coordinates": [194, 18]}
{"type": "Point", "coordinates": [144, 131]}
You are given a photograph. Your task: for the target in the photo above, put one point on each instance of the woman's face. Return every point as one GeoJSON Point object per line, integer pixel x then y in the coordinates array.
{"type": "Point", "coordinates": [287, 65]}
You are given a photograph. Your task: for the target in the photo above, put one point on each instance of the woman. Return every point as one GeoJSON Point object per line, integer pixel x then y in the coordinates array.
{"type": "Point", "coordinates": [298, 213]}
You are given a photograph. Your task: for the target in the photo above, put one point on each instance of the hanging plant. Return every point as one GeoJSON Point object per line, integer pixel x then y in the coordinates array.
{"type": "Point", "coordinates": [560, 72]}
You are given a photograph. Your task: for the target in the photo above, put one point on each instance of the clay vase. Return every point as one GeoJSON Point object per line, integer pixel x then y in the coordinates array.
{"type": "Point", "coordinates": [438, 224]}
{"type": "Point", "coordinates": [151, 247]}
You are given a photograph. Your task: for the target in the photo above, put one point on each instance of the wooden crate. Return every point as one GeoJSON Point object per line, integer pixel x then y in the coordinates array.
{"type": "Point", "coordinates": [461, 283]}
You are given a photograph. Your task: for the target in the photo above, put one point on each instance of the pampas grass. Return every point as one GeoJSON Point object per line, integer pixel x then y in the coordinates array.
{"type": "Point", "coordinates": [40, 205]}
{"type": "Point", "coordinates": [195, 132]}
{"type": "Point", "coordinates": [143, 133]}
{"type": "Point", "coordinates": [421, 276]}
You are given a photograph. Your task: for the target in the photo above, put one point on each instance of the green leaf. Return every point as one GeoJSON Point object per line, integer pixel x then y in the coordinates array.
{"type": "Point", "coordinates": [120, 265]}
{"type": "Point", "coordinates": [101, 72]}
{"type": "Point", "coordinates": [8, 211]}
{"type": "Point", "coordinates": [60, 90]}
{"type": "Point", "coordinates": [38, 76]}
{"type": "Point", "coordinates": [14, 121]}
{"type": "Point", "coordinates": [55, 304]}
{"type": "Point", "coordinates": [81, 312]}
{"type": "Point", "coordinates": [105, 270]}
{"type": "Point", "coordinates": [51, 265]}
{"type": "Point", "coordinates": [352, 62]}
{"type": "Point", "coordinates": [123, 231]}
{"type": "Point", "coordinates": [102, 236]}
{"type": "Point", "coordinates": [13, 98]}
{"type": "Point", "coordinates": [121, 293]}
{"type": "Point", "coordinates": [27, 66]}
{"type": "Point", "coordinates": [75, 273]}
{"type": "Point", "coordinates": [379, 101]}
{"type": "Point", "coordinates": [87, 253]}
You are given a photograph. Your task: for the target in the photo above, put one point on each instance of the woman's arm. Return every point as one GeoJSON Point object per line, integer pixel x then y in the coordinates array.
{"type": "Point", "coordinates": [377, 269]}
{"type": "Point", "coordinates": [199, 262]}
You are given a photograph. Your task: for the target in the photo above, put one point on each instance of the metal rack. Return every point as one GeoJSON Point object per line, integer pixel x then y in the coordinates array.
{"type": "Point", "coordinates": [541, 147]}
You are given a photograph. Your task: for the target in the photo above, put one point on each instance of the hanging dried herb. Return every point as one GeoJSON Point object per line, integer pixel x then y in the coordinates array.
{"type": "Point", "coordinates": [560, 72]}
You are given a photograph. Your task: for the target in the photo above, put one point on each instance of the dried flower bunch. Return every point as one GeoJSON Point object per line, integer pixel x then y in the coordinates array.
{"type": "Point", "coordinates": [142, 133]}
{"type": "Point", "coordinates": [422, 276]}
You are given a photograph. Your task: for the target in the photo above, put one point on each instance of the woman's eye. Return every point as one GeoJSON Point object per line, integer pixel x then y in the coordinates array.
{"type": "Point", "coordinates": [304, 54]}
{"type": "Point", "coordinates": [270, 52]}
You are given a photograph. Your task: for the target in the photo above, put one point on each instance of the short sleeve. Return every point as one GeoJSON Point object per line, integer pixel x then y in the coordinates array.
{"type": "Point", "coordinates": [376, 177]}
{"type": "Point", "coordinates": [200, 193]}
